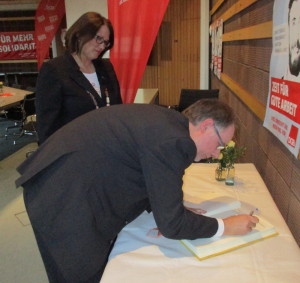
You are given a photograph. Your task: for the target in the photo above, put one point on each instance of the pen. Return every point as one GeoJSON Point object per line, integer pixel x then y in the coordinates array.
{"type": "Point", "coordinates": [253, 211]}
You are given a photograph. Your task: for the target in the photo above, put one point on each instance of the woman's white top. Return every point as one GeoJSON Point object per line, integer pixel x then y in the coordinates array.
{"type": "Point", "coordinates": [93, 79]}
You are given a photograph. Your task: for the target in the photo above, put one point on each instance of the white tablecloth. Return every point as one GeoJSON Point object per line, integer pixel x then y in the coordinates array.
{"type": "Point", "coordinates": [139, 258]}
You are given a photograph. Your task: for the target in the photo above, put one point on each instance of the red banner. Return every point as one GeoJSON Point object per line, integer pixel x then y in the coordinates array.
{"type": "Point", "coordinates": [47, 20]}
{"type": "Point", "coordinates": [17, 45]}
{"type": "Point", "coordinates": [136, 24]}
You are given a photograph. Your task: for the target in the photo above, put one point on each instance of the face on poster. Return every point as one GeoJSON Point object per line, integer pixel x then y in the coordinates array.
{"type": "Point", "coordinates": [294, 38]}
{"type": "Point", "coordinates": [285, 61]}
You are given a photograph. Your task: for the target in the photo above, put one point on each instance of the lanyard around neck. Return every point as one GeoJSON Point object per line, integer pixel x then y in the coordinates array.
{"type": "Point", "coordinates": [107, 99]}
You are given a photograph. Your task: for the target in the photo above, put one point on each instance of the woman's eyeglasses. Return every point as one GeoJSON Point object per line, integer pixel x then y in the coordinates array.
{"type": "Point", "coordinates": [100, 40]}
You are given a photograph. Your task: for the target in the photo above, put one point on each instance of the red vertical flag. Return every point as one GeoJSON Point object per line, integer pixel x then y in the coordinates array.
{"type": "Point", "coordinates": [47, 20]}
{"type": "Point", "coordinates": [136, 24]}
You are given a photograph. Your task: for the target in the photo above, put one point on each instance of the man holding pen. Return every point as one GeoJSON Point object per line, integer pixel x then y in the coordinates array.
{"type": "Point", "coordinates": [101, 171]}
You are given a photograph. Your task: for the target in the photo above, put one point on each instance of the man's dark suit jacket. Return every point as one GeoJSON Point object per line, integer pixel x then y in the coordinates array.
{"type": "Point", "coordinates": [64, 93]}
{"type": "Point", "coordinates": [102, 170]}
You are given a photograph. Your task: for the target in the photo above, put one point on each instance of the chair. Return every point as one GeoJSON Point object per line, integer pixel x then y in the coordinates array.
{"type": "Point", "coordinates": [190, 96]}
{"type": "Point", "coordinates": [3, 115]}
{"type": "Point", "coordinates": [14, 114]}
{"type": "Point", "coordinates": [27, 119]}
{"type": "Point", "coordinates": [31, 88]}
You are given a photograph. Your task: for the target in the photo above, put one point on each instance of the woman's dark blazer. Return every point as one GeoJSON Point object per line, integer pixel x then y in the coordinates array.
{"type": "Point", "coordinates": [64, 93]}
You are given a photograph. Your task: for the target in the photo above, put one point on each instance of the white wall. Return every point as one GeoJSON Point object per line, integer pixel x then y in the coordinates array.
{"type": "Point", "coordinates": [75, 8]}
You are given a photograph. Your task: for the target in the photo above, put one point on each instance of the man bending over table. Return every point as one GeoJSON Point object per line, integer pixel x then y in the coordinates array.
{"type": "Point", "coordinates": [102, 170]}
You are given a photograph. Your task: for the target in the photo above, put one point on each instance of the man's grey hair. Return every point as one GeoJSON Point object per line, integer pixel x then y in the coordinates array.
{"type": "Point", "coordinates": [203, 109]}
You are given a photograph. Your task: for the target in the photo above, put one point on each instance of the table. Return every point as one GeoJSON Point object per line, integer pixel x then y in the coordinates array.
{"type": "Point", "coordinates": [141, 259]}
{"type": "Point", "coordinates": [16, 97]}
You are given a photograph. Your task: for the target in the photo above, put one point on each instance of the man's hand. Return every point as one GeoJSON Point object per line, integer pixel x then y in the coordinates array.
{"type": "Point", "coordinates": [239, 224]}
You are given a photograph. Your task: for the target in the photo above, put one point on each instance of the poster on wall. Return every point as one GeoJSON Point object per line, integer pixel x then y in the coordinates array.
{"type": "Point", "coordinates": [216, 33]}
{"type": "Point", "coordinates": [282, 113]}
{"type": "Point", "coordinates": [17, 45]}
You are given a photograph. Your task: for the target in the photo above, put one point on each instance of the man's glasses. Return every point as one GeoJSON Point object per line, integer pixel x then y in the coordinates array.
{"type": "Point", "coordinates": [222, 144]}
{"type": "Point", "coordinates": [100, 40]}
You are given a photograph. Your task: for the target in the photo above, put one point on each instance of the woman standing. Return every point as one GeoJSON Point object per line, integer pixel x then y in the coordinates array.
{"type": "Point", "coordinates": [80, 80]}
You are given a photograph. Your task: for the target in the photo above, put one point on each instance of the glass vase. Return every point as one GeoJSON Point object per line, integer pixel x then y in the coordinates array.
{"type": "Point", "coordinates": [230, 173]}
{"type": "Point", "coordinates": [220, 173]}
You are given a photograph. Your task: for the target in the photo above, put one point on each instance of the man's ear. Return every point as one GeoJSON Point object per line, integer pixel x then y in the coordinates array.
{"type": "Point", "coordinates": [207, 123]}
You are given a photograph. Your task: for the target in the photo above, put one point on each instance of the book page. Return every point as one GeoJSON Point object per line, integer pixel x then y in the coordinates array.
{"type": "Point", "coordinates": [213, 206]}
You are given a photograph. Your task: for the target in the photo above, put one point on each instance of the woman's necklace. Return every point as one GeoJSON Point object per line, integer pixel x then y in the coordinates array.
{"type": "Point", "coordinates": [91, 68]}
{"type": "Point", "coordinates": [107, 99]}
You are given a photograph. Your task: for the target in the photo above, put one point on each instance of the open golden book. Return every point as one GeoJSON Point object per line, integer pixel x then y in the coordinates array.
{"type": "Point", "coordinates": [209, 247]}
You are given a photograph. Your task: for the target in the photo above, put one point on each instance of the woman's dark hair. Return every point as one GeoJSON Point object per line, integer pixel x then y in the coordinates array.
{"type": "Point", "coordinates": [85, 29]}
